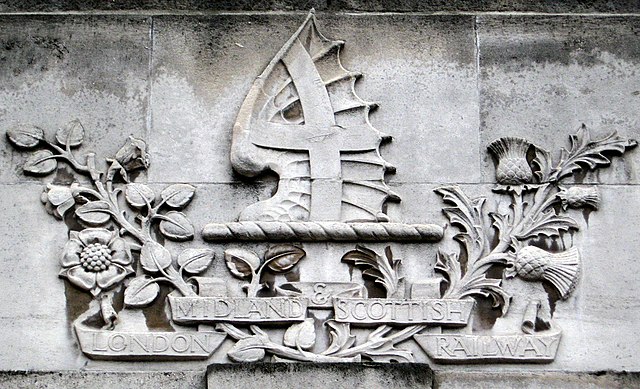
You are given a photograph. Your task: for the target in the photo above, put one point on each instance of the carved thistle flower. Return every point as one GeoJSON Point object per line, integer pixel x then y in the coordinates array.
{"type": "Point", "coordinates": [513, 167]}
{"type": "Point", "coordinates": [133, 155]}
{"type": "Point", "coordinates": [95, 259]}
{"type": "Point", "coordinates": [576, 197]}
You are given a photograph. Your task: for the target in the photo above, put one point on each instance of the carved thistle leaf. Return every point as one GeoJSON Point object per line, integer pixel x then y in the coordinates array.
{"type": "Point", "coordinates": [589, 153]}
{"type": "Point", "coordinates": [383, 349]}
{"type": "Point", "coordinates": [241, 263]}
{"type": "Point", "coordinates": [383, 270]}
{"type": "Point", "coordinates": [25, 136]}
{"type": "Point", "coordinates": [301, 335]}
{"type": "Point", "coordinates": [543, 164]}
{"type": "Point", "coordinates": [466, 214]}
{"type": "Point", "coordinates": [449, 265]}
{"type": "Point", "coordinates": [487, 287]}
{"type": "Point", "coordinates": [141, 292]}
{"type": "Point", "coordinates": [281, 258]}
{"type": "Point", "coordinates": [341, 338]}
{"type": "Point", "coordinates": [546, 223]}
{"type": "Point", "coordinates": [195, 261]}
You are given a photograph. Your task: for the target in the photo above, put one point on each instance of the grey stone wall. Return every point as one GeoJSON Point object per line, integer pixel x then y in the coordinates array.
{"type": "Point", "coordinates": [449, 78]}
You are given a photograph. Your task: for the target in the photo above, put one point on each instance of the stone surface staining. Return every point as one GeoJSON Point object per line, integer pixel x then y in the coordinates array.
{"type": "Point", "coordinates": [303, 120]}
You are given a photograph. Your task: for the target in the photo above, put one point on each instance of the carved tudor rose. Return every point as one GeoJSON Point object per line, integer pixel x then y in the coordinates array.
{"type": "Point", "coordinates": [302, 120]}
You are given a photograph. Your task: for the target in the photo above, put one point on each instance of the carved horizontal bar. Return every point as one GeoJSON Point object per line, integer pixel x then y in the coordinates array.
{"type": "Point", "coordinates": [322, 232]}
{"type": "Point", "coordinates": [459, 348]}
{"type": "Point", "coordinates": [238, 309]}
{"type": "Point", "coordinates": [399, 311]}
{"type": "Point", "coordinates": [152, 346]}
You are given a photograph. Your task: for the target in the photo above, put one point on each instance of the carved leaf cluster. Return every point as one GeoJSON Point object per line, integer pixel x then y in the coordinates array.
{"type": "Point", "coordinates": [383, 270]}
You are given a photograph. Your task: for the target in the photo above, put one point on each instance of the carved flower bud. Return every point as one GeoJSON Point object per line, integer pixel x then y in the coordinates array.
{"type": "Point", "coordinates": [513, 168]}
{"type": "Point", "coordinates": [58, 199]}
{"type": "Point", "coordinates": [133, 155]}
{"type": "Point", "coordinates": [576, 197]}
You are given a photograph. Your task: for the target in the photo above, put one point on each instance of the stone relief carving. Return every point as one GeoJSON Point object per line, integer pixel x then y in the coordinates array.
{"type": "Point", "coordinates": [303, 120]}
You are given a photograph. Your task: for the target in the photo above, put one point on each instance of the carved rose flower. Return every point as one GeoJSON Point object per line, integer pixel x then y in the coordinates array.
{"type": "Point", "coordinates": [95, 259]}
{"type": "Point", "coordinates": [133, 155]}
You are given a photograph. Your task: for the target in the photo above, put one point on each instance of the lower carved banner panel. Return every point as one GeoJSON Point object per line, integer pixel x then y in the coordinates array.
{"type": "Point", "coordinates": [397, 311]}
{"type": "Point", "coordinates": [460, 348]}
{"type": "Point", "coordinates": [238, 309]}
{"type": "Point", "coordinates": [118, 345]}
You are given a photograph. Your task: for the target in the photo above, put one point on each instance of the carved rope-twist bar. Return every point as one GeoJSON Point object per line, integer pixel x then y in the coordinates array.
{"type": "Point", "coordinates": [322, 232]}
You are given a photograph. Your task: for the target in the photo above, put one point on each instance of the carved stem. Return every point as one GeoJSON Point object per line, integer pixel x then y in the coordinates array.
{"type": "Point", "coordinates": [394, 339]}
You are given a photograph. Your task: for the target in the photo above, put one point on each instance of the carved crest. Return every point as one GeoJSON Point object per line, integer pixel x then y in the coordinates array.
{"type": "Point", "coordinates": [303, 120]}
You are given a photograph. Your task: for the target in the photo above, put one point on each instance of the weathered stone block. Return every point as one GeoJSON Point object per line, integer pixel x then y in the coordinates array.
{"type": "Point", "coordinates": [56, 69]}
{"type": "Point", "coordinates": [543, 77]}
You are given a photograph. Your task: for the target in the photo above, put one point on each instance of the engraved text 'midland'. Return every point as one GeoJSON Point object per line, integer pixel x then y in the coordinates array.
{"type": "Point", "coordinates": [396, 311]}
{"type": "Point", "coordinates": [238, 309]}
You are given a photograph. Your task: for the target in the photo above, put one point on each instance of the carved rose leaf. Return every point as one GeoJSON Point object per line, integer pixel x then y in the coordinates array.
{"type": "Point", "coordinates": [141, 292]}
{"type": "Point", "coordinates": [40, 163]}
{"type": "Point", "coordinates": [94, 213]}
{"type": "Point", "coordinates": [249, 349]}
{"type": "Point", "coordinates": [154, 257]}
{"type": "Point", "coordinates": [283, 257]}
{"type": "Point", "coordinates": [302, 335]}
{"type": "Point", "coordinates": [138, 195]}
{"type": "Point", "coordinates": [71, 134]}
{"type": "Point", "coordinates": [195, 261]}
{"type": "Point", "coordinates": [176, 226]}
{"type": "Point", "coordinates": [242, 263]}
{"type": "Point", "coordinates": [25, 136]}
{"type": "Point", "coordinates": [178, 195]}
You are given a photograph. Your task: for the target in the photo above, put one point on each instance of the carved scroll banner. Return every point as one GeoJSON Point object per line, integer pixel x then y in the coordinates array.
{"type": "Point", "coordinates": [259, 282]}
